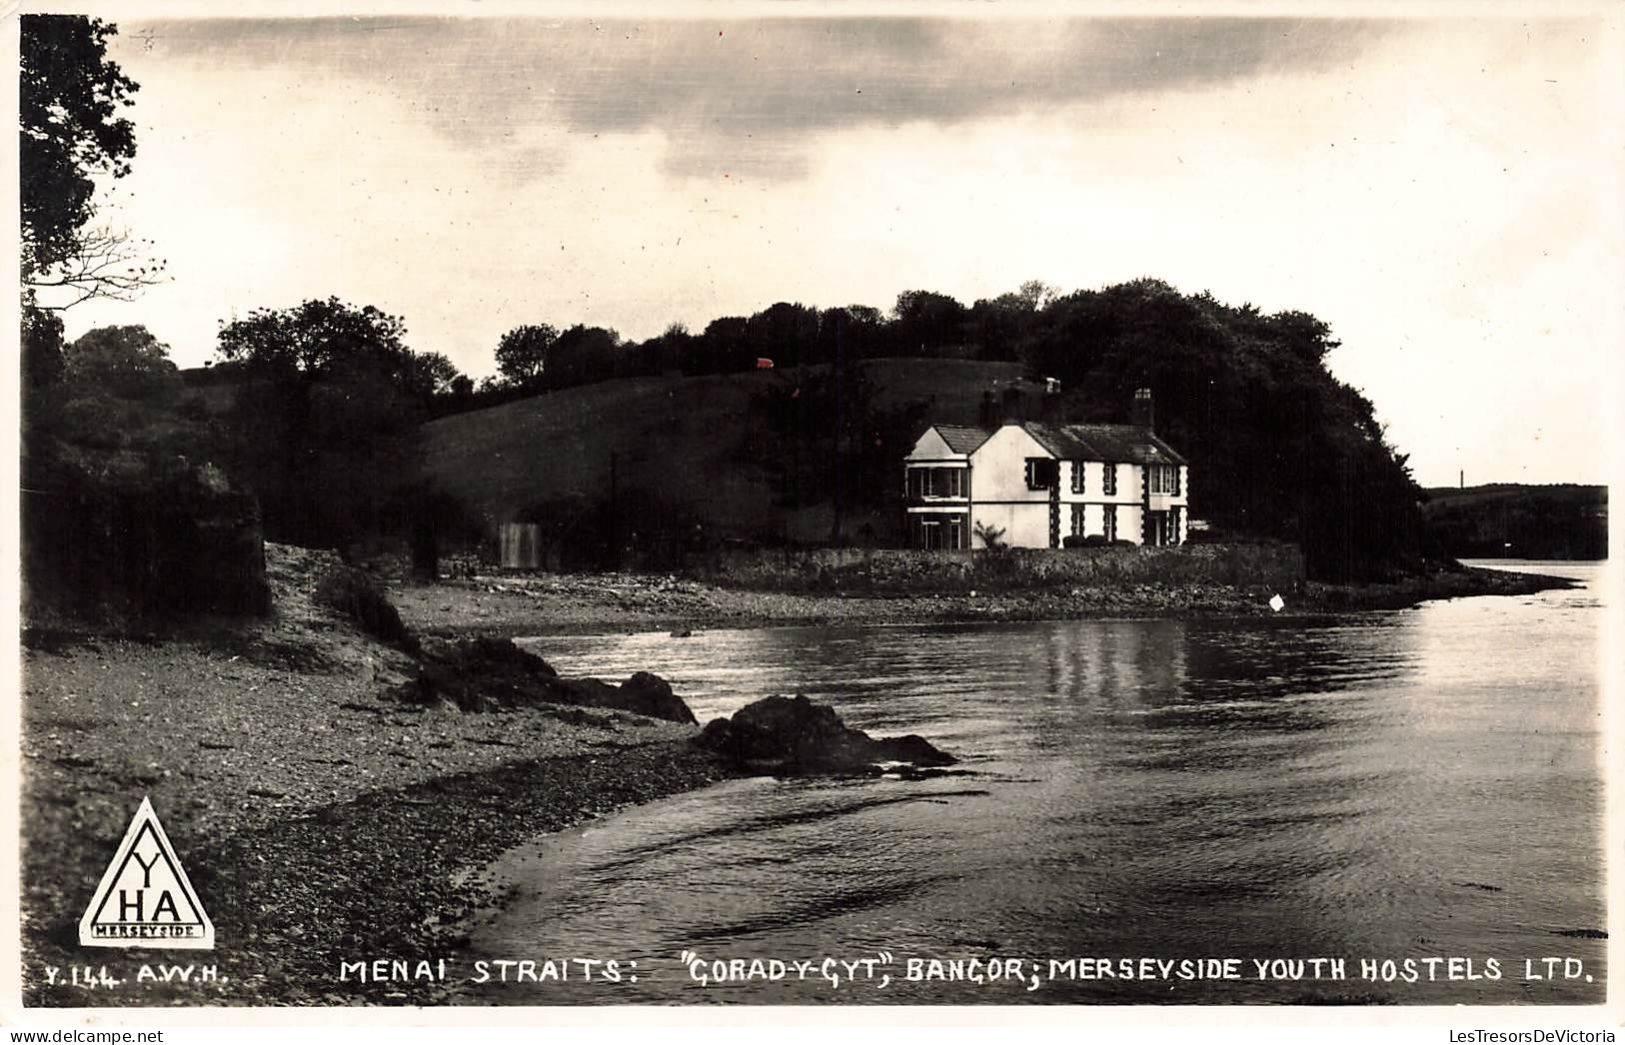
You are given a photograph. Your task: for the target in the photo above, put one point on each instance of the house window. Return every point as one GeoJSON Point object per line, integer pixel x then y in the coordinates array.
{"type": "Point", "coordinates": [1164, 479]}
{"type": "Point", "coordinates": [1077, 520]}
{"type": "Point", "coordinates": [1111, 522]}
{"type": "Point", "coordinates": [1042, 473]}
{"type": "Point", "coordinates": [1109, 485]}
{"type": "Point", "coordinates": [942, 532]}
{"type": "Point", "coordinates": [936, 482]}
{"type": "Point", "coordinates": [1077, 478]}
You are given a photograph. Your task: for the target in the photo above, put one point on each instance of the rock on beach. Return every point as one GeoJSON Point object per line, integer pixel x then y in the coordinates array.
{"type": "Point", "coordinates": [492, 674]}
{"type": "Point", "coordinates": [793, 735]}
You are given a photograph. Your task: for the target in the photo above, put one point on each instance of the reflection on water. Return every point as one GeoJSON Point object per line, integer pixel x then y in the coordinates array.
{"type": "Point", "coordinates": [1389, 785]}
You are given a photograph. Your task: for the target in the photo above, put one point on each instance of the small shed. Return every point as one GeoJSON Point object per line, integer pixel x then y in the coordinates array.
{"type": "Point", "coordinates": [519, 546]}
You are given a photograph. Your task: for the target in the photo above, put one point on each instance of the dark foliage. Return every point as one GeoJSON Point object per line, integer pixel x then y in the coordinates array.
{"type": "Point", "coordinates": [325, 427]}
{"type": "Point", "coordinates": [432, 520]}
{"type": "Point", "coordinates": [828, 440]}
{"type": "Point", "coordinates": [1525, 522]}
{"type": "Point", "coordinates": [141, 544]}
{"type": "Point", "coordinates": [522, 354]}
{"type": "Point", "coordinates": [41, 348]}
{"type": "Point", "coordinates": [1278, 447]}
{"type": "Point", "coordinates": [357, 595]}
{"type": "Point", "coordinates": [633, 529]}
{"type": "Point", "coordinates": [125, 514]}
{"type": "Point", "coordinates": [69, 96]}
{"type": "Point", "coordinates": [126, 362]}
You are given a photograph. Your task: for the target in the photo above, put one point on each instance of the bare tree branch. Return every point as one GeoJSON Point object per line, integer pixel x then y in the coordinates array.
{"type": "Point", "coordinates": [108, 265]}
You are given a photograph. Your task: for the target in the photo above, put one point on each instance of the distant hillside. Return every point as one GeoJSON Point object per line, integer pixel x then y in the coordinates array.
{"type": "Point", "coordinates": [1564, 521]}
{"type": "Point", "coordinates": [697, 446]}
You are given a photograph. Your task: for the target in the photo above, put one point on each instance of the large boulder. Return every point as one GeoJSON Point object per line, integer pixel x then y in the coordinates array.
{"type": "Point", "coordinates": [649, 694]}
{"type": "Point", "coordinates": [642, 694]}
{"type": "Point", "coordinates": [486, 674]}
{"type": "Point", "coordinates": [793, 735]}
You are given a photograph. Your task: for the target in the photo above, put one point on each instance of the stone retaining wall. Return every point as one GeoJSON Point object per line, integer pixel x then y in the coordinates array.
{"type": "Point", "coordinates": [1274, 565]}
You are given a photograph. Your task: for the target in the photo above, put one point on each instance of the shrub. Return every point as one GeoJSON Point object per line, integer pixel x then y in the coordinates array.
{"type": "Point", "coordinates": [358, 596]}
{"type": "Point", "coordinates": [992, 536]}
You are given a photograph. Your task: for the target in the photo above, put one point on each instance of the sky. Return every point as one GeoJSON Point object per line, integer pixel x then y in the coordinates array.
{"type": "Point", "coordinates": [1443, 191]}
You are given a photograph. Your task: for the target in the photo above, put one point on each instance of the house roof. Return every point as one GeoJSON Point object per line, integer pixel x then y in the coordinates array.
{"type": "Point", "coordinates": [963, 439]}
{"type": "Point", "coordinates": [1128, 443]}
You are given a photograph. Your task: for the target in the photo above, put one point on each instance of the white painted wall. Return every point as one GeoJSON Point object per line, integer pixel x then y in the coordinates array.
{"type": "Point", "coordinates": [1000, 466]}
{"type": "Point", "coordinates": [999, 474]}
{"type": "Point", "coordinates": [1094, 484]}
{"type": "Point", "coordinates": [1024, 525]}
{"type": "Point", "coordinates": [1131, 524]}
{"type": "Point", "coordinates": [1094, 500]}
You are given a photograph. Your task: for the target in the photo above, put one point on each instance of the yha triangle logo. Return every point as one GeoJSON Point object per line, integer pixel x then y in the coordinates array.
{"type": "Point", "coordinates": [144, 899]}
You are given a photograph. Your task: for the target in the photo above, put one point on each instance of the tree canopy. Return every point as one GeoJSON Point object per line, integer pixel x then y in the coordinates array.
{"type": "Point", "coordinates": [326, 425]}
{"type": "Point", "coordinates": [125, 361]}
{"type": "Point", "coordinates": [1278, 446]}
{"type": "Point", "coordinates": [522, 352]}
{"type": "Point", "coordinates": [70, 97]}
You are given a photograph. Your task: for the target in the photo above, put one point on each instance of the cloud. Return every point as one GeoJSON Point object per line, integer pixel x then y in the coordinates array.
{"type": "Point", "coordinates": [1443, 193]}
{"type": "Point", "coordinates": [750, 96]}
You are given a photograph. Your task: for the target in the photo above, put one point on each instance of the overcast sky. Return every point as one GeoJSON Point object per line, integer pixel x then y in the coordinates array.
{"type": "Point", "coordinates": [1443, 192]}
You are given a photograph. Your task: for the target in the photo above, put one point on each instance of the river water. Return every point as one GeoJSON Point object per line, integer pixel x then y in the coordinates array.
{"type": "Point", "coordinates": [1380, 786]}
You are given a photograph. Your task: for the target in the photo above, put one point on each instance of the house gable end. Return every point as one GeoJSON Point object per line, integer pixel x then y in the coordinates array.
{"type": "Point", "coordinates": [1012, 441]}
{"type": "Point", "coordinates": [931, 447]}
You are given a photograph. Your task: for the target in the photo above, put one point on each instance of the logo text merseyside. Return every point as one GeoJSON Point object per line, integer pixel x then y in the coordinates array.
{"type": "Point", "coordinates": [144, 899]}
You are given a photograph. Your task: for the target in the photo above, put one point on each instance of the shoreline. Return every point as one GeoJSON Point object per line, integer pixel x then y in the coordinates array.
{"type": "Point", "coordinates": [529, 605]}
{"type": "Point", "coordinates": [322, 824]}
{"type": "Point", "coordinates": [317, 820]}
{"type": "Point", "coordinates": [295, 883]}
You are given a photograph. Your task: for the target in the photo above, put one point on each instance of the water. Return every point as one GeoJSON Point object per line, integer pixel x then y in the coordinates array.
{"type": "Point", "coordinates": [1385, 785]}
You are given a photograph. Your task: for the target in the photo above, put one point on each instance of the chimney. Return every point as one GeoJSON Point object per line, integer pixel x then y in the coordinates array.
{"type": "Point", "coordinates": [1015, 406]}
{"type": "Point", "coordinates": [1049, 408]}
{"type": "Point", "coordinates": [989, 415]}
{"type": "Point", "coordinates": [1142, 415]}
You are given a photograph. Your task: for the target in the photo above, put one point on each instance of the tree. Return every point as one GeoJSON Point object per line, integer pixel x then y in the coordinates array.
{"type": "Point", "coordinates": [433, 376]}
{"type": "Point", "coordinates": [126, 361]}
{"type": "Point", "coordinates": [926, 322]}
{"type": "Point", "coordinates": [848, 334]}
{"type": "Point", "coordinates": [41, 348]}
{"type": "Point", "coordinates": [106, 264]}
{"type": "Point", "coordinates": [582, 355]}
{"type": "Point", "coordinates": [309, 338]}
{"type": "Point", "coordinates": [784, 333]}
{"type": "Point", "coordinates": [71, 131]}
{"type": "Point", "coordinates": [723, 347]}
{"type": "Point", "coordinates": [326, 424]}
{"type": "Point", "coordinates": [522, 352]}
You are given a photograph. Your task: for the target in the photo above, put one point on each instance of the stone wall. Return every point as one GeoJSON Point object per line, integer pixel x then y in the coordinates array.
{"type": "Point", "coordinates": [1274, 565]}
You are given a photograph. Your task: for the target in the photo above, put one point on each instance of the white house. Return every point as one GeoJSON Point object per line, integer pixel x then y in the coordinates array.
{"type": "Point", "coordinates": [1041, 482]}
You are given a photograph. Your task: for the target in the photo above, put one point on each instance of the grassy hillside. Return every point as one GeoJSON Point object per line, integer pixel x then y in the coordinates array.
{"type": "Point", "coordinates": [1563, 521]}
{"type": "Point", "coordinates": [675, 443]}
